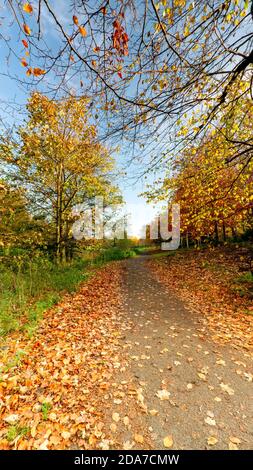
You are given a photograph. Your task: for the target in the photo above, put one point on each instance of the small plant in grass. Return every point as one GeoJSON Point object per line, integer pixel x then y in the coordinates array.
{"type": "Point", "coordinates": [205, 264]}
{"type": "Point", "coordinates": [15, 431]}
{"type": "Point", "coordinates": [15, 361]}
{"type": "Point", "coordinates": [45, 408]}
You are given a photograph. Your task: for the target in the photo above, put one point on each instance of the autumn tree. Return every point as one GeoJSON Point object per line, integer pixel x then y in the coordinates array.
{"type": "Point", "coordinates": [57, 158]}
{"type": "Point", "coordinates": [212, 181]}
{"type": "Point", "coordinates": [149, 66]}
{"type": "Point", "coordinates": [17, 226]}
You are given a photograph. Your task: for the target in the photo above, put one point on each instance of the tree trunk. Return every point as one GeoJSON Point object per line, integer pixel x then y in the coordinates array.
{"type": "Point", "coordinates": [59, 210]}
{"type": "Point", "coordinates": [187, 240]}
{"type": "Point", "coordinates": [216, 232]}
{"type": "Point", "coordinates": [224, 231]}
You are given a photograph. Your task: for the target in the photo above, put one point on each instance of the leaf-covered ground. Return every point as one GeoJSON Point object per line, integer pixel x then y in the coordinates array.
{"type": "Point", "coordinates": [53, 387]}
{"type": "Point", "coordinates": [183, 391]}
{"type": "Point", "coordinates": [125, 364]}
{"type": "Point", "coordinates": [207, 282]}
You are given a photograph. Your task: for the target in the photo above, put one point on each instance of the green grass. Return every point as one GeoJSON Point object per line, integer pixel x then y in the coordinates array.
{"type": "Point", "coordinates": [15, 361]}
{"type": "Point", "coordinates": [163, 254]}
{"type": "Point", "coordinates": [45, 408]}
{"type": "Point", "coordinates": [114, 254]}
{"type": "Point", "coordinates": [29, 287]}
{"type": "Point", "coordinates": [142, 249]}
{"type": "Point", "coordinates": [243, 286]}
{"type": "Point", "coordinates": [15, 431]}
{"type": "Point", "coordinates": [246, 277]}
{"type": "Point", "coordinates": [31, 284]}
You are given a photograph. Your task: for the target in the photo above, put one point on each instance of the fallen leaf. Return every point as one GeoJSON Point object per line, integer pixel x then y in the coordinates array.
{"type": "Point", "coordinates": [127, 445]}
{"type": "Point", "coordinates": [235, 440]}
{"type": "Point", "coordinates": [163, 394]}
{"type": "Point", "coordinates": [113, 427]}
{"type": "Point", "coordinates": [117, 401]}
{"type": "Point", "coordinates": [210, 421]}
{"type": "Point", "coordinates": [153, 412]}
{"type": "Point", "coordinates": [52, 417]}
{"type": "Point", "coordinates": [220, 362]}
{"type": "Point", "coordinates": [177, 363]}
{"type": "Point", "coordinates": [168, 441]}
{"type": "Point", "coordinates": [139, 438]}
{"type": "Point", "coordinates": [12, 419]}
{"type": "Point", "coordinates": [104, 444]}
{"type": "Point", "coordinates": [211, 441]}
{"type": "Point", "coordinates": [227, 389]}
{"type": "Point", "coordinates": [202, 376]}
{"type": "Point", "coordinates": [232, 446]}
{"type": "Point", "coordinates": [44, 445]}
{"type": "Point", "coordinates": [126, 420]}
{"type": "Point", "coordinates": [116, 417]}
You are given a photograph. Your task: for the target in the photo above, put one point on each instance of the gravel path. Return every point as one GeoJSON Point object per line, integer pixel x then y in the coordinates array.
{"type": "Point", "coordinates": [183, 391]}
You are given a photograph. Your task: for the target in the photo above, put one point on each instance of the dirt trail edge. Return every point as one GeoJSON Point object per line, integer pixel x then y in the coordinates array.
{"type": "Point", "coordinates": [183, 390]}
{"type": "Point", "coordinates": [122, 364]}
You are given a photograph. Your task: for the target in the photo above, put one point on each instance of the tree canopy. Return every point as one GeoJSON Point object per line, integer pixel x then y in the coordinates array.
{"type": "Point", "coordinates": [148, 66]}
{"type": "Point", "coordinates": [57, 159]}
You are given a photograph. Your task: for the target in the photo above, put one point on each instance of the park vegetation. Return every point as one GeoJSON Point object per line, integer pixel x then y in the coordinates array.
{"type": "Point", "coordinates": [170, 81]}
{"type": "Point", "coordinates": [50, 165]}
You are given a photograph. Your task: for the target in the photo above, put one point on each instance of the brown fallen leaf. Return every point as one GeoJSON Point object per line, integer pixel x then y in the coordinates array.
{"type": "Point", "coordinates": [139, 438]}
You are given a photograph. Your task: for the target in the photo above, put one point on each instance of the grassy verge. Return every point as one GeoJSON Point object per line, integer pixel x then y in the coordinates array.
{"type": "Point", "coordinates": [30, 286]}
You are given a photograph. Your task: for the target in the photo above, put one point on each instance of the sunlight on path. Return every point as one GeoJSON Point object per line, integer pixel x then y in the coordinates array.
{"type": "Point", "coordinates": [183, 391]}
